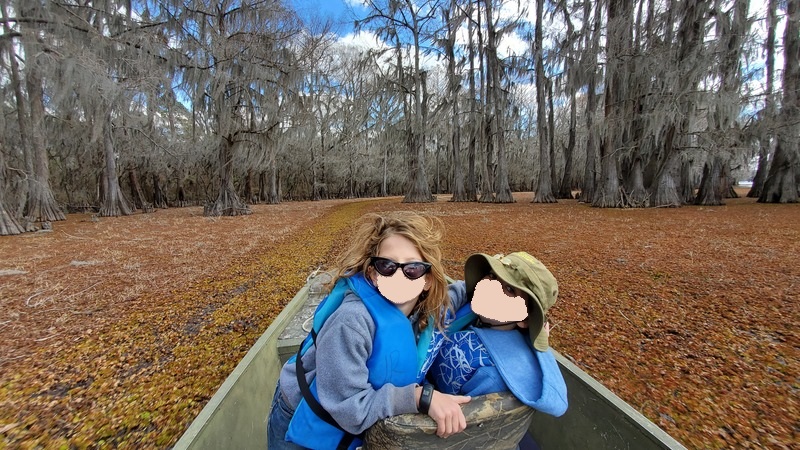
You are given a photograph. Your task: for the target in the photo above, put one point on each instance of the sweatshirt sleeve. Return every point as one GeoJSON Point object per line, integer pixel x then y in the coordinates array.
{"type": "Point", "coordinates": [343, 346]}
{"type": "Point", "coordinates": [458, 294]}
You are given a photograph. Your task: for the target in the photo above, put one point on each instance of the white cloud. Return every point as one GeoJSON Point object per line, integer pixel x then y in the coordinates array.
{"type": "Point", "coordinates": [363, 40]}
{"type": "Point", "coordinates": [512, 44]}
{"type": "Point", "coordinates": [355, 3]}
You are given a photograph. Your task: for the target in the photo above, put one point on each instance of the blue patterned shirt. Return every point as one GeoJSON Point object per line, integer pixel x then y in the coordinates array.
{"type": "Point", "coordinates": [458, 359]}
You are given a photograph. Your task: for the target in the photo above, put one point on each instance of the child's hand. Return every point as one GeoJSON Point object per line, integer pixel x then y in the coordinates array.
{"type": "Point", "coordinates": [446, 411]}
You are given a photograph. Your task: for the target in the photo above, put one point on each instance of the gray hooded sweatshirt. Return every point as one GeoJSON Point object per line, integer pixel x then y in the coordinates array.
{"type": "Point", "coordinates": [339, 361]}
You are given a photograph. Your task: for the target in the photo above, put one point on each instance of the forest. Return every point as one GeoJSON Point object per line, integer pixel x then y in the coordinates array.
{"type": "Point", "coordinates": [114, 107]}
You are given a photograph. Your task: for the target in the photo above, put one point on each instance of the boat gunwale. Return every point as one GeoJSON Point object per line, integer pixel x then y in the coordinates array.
{"type": "Point", "coordinates": [201, 434]}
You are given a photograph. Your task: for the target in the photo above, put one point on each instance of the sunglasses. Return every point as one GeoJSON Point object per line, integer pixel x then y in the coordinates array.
{"type": "Point", "coordinates": [387, 267]}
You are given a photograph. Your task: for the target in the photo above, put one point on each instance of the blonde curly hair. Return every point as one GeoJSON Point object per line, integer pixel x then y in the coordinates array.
{"type": "Point", "coordinates": [425, 232]}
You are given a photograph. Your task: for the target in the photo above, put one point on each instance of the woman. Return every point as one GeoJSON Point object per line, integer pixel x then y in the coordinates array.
{"type": "Point", "coordinates": [368, 360]}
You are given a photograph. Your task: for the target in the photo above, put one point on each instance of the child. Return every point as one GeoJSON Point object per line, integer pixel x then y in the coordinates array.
{"type": "Point", "coordinates": [366, 361]}
{"type": "Point", "coordinates": [499, 342]}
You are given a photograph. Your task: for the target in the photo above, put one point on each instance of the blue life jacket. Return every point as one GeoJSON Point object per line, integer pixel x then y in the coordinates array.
{"type": "Point", "coordinates": [395, 359]}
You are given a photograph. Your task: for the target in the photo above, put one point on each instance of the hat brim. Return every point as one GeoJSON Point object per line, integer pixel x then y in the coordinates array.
{"type": "Point", "coordinates": [479, 265]}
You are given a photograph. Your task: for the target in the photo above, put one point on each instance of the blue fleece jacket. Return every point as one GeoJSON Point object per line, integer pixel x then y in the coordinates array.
{"type": "Point", "coordinates": [479, 361]}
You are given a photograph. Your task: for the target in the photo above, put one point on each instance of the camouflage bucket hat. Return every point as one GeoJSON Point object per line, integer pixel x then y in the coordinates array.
{"type": "Point", "coordinates": [525, 273]}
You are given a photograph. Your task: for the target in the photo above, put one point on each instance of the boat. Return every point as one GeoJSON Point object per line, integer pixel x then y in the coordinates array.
{"type": "Point", "coordinates": [236, 416]}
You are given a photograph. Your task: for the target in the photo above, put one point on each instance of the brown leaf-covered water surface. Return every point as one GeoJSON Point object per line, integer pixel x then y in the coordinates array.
{"type": "Point", "coordinates": [115, 332]}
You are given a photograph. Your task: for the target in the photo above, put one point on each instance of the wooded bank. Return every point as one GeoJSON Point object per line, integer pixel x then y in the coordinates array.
{"type": "Point", "coordinates": [118, 106]}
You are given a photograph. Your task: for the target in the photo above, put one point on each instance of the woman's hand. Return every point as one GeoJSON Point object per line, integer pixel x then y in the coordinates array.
{"type": "Point", "coordinates": [446, 411]}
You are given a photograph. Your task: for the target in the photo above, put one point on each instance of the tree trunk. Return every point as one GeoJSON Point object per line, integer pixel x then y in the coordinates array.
{"type": "Point", "coordinates": [351, 176]}
{"type": "Point", "coordinates": [590, 167]}
{"type": "Point", "coordinates": [781, 185]}
{"type": "Point", "coordinates": [588, 188]}
{"type": "Point", "coordinates": [323, 177]}
{"type": "Point", "coordinates": [664, 190]}
{"type": "Point", "coordinates": [565, 188]}
{"type": "Point", "coordinates": [315, 184]}
{"type": "Point", "coordinates": [418, 189]}
{"type": "Point", "coordinates": [385, 174]}
{"type": "Point", "coordinates": [712, 187]}
{"type": "Point", "coordinates": [761, 171]}
{"type": "Point", "coordinates": [609, 194]}
{"type": "Point", "coordinates": [41, 204]}
{"type": "Point", "coordinates": [136, 190]}
{"type": "Point", "coordinates": [459, 192]}
{"type": "Point", "coordinates": [733, 35]}
{"type": "Point", "coordinates": [181, 191]}
{"type": "Point", "coordinates": [716, 179]}
{"type": "Point", "coordinates": [636, 195]}
{"type": "Point", "coordinates": [454, 143]}
{"type": "Point", "coordinates": [551, 133]}
{"type": "Point", "coordinates": [503, 188]}
{"type": "Point", "coordinates": [437, 182]}
{"type": "Point", "coordinates": [273, 196]}
{"type": "Point", "coordinates": [8, 223]}
{"type": "Point", "coordinates": [487, 186]}
{"type": "Point", "coordinates": [769, 102]}
{"type": "Point", "coordinates": [23, 119]}
{"type": "Point", "coordinates": [262, 186]}
{"type": "Point", "coordinates": [484, 122]}
{"type": "Point", "coordinates": [249, 191]}
{"type": "Point", "coordinates": [113, 203]}
{"type": "Point", "coordinates": [474, 127]}
{"type": "Point", "coordinates": [497, 107]}
{"type": "Point", "coordinates": [686, 188]}
{"type": "Point", "coordinates": [472, 182]}
{"type": "Point", "coordinates": [728, 183]}
{"type": "Point", "coordinates": [228, 202]}
{"type": "Point", "coordinates": [544, 186]}
{"type": "Point", "coordinates": [159, 197]}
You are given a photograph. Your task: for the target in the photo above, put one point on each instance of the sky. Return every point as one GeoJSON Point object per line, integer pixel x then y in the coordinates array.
{"type": "Point", "coordinates": [339, 11]}
{"type": "Point", "coordinates": [343, 13]}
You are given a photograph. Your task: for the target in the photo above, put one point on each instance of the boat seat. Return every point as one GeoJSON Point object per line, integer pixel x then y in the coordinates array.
{"type": "Point", "coordinates": [494, 421]}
